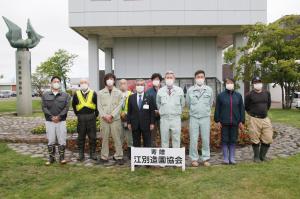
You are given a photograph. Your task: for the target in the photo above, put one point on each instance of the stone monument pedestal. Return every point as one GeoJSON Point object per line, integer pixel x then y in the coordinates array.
{"type": "Point", "coordinates": [23, 82]}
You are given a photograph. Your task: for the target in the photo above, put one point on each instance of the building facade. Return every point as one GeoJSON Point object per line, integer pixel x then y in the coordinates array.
{"type": "Point", "coordinates": [140, 37]}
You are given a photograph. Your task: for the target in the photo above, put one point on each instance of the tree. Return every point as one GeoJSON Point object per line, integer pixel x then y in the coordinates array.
{"type": "Point", "coordinates": [271, 52]}
{"type": "Point", "coordinates": [39, 82]}
{"type": "Point", "coordinates": [1, 76]}
{"type": "Point", "coordinates": [59, 64]}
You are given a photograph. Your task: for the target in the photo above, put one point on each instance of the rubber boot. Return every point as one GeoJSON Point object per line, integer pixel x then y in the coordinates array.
{"type": "Point", "coordinates": [51, 151]}
{"type": "Point", "coordinates": [225, 154]}
{"type": "Point", "coordinates": [256, 153]}
{"type": "Point", "coordinates": [61, 149]}
{"type": "Point", "coordinates": [263, 151]}
{"type": "Point", "coordinates": [232, 154]}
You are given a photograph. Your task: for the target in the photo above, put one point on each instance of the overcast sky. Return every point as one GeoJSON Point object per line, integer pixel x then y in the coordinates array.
{"type": "Point", "coordinates": [50, 19]}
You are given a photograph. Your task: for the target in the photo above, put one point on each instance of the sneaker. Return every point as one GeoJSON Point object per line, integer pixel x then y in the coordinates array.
{"type": "Point", "coordinates": [195, 164]}
{"type": "Point", "coordinates": [206, 164]}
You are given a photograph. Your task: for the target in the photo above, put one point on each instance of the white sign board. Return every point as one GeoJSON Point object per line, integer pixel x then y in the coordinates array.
{"type": "Point", "coordinates": [158, 157]}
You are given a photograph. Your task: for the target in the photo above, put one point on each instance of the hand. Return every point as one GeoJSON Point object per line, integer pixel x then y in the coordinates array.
{"type": "Point", "coordinates": [151, 127]}
{"type": "Point", "coordinates": [106, 118]}
{"type": "Point", "coordinates": [241, 126]}
{"type": "Point", "coordinates": [55, 119]}
{"type": "Point", "coordinates": [110, 118]}
{"type": "Point", "coordinates": [129, 127]}
{"type": "Point", "coordinates": [219, 125]}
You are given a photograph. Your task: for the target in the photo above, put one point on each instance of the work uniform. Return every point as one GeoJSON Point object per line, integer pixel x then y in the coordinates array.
{"type": "Point", "coordinates": [56, 104]}
{"type": "Point", "coordinates": [170, 102]}
{"type": "Point", "coordinates": [199, 100]}
{"type": "Point", "coordinates": [152, 92]}
{"type": "Point", "coordinates": [125, 134]}
{"type": "Point", "coordinates": [110, 103]}
{"type": "Point", "coordinates": [85, 108]}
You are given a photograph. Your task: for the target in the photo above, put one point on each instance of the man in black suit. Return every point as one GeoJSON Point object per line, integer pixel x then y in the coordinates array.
{"type": "Point", "coordinates": [141, 115]}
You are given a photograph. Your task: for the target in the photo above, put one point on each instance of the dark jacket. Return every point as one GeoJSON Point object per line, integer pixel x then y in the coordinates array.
{"type": "Point", "coordinates": [258, 104]}
{"type": "Point", "coordinates": [140, 119]}
{"type": "Point", "coordinates": [85, 110]}
{"type": "Point", "coordinates": [152, 92]}
{"type": "Point", "coordinates": [55, 105]}
{"type": "Point", "coordinates": [230, 108]}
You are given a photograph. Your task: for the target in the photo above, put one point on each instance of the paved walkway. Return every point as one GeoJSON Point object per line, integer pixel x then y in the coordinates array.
{"type": "Point", "coordinates": [285, 144]}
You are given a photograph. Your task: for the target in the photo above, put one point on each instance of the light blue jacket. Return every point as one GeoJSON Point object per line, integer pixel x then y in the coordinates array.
{"type": "Point", "coordinates": [199, 101]}
{"type": "Point", "coordinates": [170, 105]}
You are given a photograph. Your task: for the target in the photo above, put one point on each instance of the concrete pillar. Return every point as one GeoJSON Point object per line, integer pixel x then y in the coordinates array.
{"type": "Point", "coordinates": [93, 62]}
{"type": "Point", "coordinates": [219, 70]}
{"type": "Point", "coordinates": [239, 40]}
{"type": "Point", "coordinates": [23, 80]}
{"type": "Point", "coordinates": [108, 60]}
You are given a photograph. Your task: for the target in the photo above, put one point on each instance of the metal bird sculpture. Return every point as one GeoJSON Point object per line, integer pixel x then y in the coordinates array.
{"type": "Point", "coordinates": [14, 35]}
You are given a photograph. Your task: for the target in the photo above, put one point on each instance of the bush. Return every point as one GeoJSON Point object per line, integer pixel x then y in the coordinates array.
{"type": "Point", "coordinates": [71, 127]}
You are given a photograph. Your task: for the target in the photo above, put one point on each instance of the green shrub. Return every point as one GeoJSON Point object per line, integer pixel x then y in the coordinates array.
{"type": "Point", "coordinates": [71, 127]}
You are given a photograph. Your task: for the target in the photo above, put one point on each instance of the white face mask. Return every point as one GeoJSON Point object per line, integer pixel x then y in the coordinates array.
{"type": "Point", "coordinates": [56, 85]}
{"type": "Point", "coordinates": [230, 87]}
{"type": "Point", "coordinates": [110, 82]}
{"type": "Point", "coordinates": [258, 86]}
{"type": "Point", "coordinates": [84, 87]}
{"type": "Point", "coordinates": [139, 89]}
{"type": "Point", "coordinates": [155, 82]}
{"type": "Point", "coordinates": [169, 82]}
{"type": "Point", "coordinates": [200, 82]}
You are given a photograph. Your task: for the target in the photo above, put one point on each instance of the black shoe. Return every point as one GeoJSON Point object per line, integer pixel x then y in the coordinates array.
{"type": "Point", "coordinates": [93, 156]}
{"type": "Point", "coordinates": [81, 156]}
{"type": "Point", "coordinates": [119, 161]}
{"type": "Point", "coordinates": [263, 151]}
{"type": "Point", "coordinates": [102, 161]}
{"type": "Point", "coordinates": [256, 158]}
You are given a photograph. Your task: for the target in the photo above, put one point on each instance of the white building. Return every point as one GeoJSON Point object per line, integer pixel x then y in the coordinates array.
{"type": "Point", "coordinates": [140, 37]}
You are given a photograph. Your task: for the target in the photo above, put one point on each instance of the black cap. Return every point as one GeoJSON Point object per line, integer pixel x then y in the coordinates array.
{"type": "Point", "coordinates": [256, 79]}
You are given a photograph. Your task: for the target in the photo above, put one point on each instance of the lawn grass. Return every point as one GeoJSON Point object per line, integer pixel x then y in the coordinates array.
{"type": "Point", "coordinates": [10, 105]}
{"type": "Point", "coordinates": [25, 177]}
{"type": "Point", "coordinates": [289, 117]}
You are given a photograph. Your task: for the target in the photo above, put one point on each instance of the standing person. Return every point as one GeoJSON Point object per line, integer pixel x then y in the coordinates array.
{"type": "Point", "coordinates": [170, 102]}
{"type": "Point", "coordinates": [199, 99]}
{"type": "Point", "coordinates": [141, 115]}
{"type": "Point", "coordinates": [109, 104]}
{"type": "Point", "coordinates": [230, 117]}
{"type": "Point", "coordinates": [55, 105]}
{"type": "Point", "coordinates": [85, 108]}
{"type": "Point", "coordinates": [156, 79]}
{"type": "Point", "coordinates": [125, 134]}
{"type": "Point", "coordinates": [257, 105]}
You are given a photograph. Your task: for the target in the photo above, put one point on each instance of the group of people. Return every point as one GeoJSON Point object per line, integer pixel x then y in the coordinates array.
{"type": "Point", "coordinates": [139, 117]}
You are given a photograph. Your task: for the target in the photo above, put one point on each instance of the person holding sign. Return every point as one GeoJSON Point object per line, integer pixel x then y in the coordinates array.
{"type": "Point", "coordinates": [199, 99]}
{"type": "Point", "coordinates": [141, 115]}
{"type": "Point", "coordinates": [170, 102]}
{"type": "Point", "coordinates": [230, 117]}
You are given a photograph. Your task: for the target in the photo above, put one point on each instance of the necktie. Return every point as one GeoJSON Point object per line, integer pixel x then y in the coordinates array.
{"type": "Point", "coordinates": [140, 101]}
{"type": "Point", "coordinates": [169, 91]}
